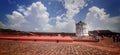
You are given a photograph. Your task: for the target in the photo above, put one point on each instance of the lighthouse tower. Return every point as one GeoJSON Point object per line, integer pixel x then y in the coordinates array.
{"type": "Point", "coordinates": [80, 28]}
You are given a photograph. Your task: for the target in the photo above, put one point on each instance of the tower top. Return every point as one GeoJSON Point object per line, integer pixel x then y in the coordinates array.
{"type": "Point", "coordinates": [80, 23]}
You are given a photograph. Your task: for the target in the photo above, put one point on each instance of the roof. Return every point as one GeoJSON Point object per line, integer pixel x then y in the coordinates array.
{"type": "Point", "coordinates": [80, 22]}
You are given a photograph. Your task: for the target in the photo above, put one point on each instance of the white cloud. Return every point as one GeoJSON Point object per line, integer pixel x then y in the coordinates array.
{"type": "Point", "coordinates": [32, 18]}
{"type": "Point", "coordinates": [97, 18]}
{"type": "Point", "coordinates": [115, 19]}
{"type": "Point", "coordinates": [66, 22]}
{"type": "Point", "coordinates": [67, 25]}
{"type": "Point", "coordinates": [21, 8]}
{"type": "Point", "coordinates": [36, 18]}
{"type": "Point", "coordinates": [73, 7]}
{"type": "Point", "coordinates": [2, 25]}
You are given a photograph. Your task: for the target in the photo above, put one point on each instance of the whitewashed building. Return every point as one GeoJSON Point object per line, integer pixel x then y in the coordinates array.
{"type": "Point", "coordinates": [81, 28]}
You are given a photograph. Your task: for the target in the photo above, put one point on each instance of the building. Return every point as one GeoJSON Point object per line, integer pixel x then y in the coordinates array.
{"type": "Point", "coordinates": [80, 28]}
{"type": "Point", "coordinates": [102, 33]}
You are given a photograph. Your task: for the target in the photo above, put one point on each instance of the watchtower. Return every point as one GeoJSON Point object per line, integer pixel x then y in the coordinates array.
{"type": "Point", "coordinates": [80, 28]}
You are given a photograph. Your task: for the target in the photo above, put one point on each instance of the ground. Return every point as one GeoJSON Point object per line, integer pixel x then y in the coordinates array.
{"type": "Point", "coordinates": [19, 47]}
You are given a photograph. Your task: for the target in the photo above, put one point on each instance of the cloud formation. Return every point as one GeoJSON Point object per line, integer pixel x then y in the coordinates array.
{"type": "Point", "coordinates": [2, 25]}
{"type": "Point", "coordinates": [73, 7]}
{"type": "Point", "coordinates": [36, 18]}
{"type": "Point", "coordinates": [32, 18]}
{"type": "Point", "coordinates": [97, 19]}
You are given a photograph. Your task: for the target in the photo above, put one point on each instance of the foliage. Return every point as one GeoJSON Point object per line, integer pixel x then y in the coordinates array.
{"type": "Point", "coordinates": [7, 30]}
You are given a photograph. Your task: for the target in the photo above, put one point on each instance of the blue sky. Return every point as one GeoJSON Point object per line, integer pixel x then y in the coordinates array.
{"type": "Point", "coordinates": [61, 15]}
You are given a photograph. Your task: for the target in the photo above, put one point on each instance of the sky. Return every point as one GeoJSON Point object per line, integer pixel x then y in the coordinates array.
{"type": "Point", "coordinates": [59, 15]}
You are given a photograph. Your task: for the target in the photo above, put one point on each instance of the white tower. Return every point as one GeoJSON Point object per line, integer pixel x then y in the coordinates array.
{"type": "Point", "coordinates": [80, 28]}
